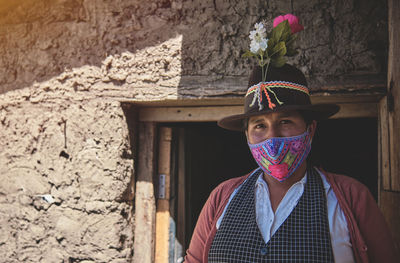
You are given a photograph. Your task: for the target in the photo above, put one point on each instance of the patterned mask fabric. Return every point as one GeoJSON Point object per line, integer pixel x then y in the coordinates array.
{"type": "Point", "coordinates": [279, 157]}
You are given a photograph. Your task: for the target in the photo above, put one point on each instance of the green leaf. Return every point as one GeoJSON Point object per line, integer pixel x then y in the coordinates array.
{"type": "Point", "coordinates": [287, 32]}
{"type": "Point", "coordinates": [291, 47]}
{"type": "Point", "coordinates": [271, 44]}
{"type": "Point", "coordinates": [291, 40]}
{"type": "Point", "coordinates": [277, 31]}
{"type": "Point", "coordinates": [248, 54]}
{"type": "Point", "coordinates": [281, 32]}
{"type": "Point", "coordinates": [266, 53]}
{"type": "Point", "coordinates": [279, 50]}
{"type": "Point", "coordinates": [278, 61]}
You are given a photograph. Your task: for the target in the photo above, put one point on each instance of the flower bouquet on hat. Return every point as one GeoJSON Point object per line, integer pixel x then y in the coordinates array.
{"type": "Point", "coordinates": [272, 47]}
{"type": "Point", "coordinates": [273, 84]}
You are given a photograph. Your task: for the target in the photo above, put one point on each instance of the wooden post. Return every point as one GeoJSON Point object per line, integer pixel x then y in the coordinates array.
{"type": "Point", "coordinates": [394, 92]}
{"type": "Point", "coordinates": [384, 146]}
{"type": "Point", "coordinates": [163, 214]}
{"type": "Point", "coordinates": [181, 229]}
{"type": "Point", "coordinates": [390, 177]}
{"type": "Point", "coordinates": [144, 197]}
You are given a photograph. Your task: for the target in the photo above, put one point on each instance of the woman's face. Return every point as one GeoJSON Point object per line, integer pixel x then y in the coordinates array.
{"type": "Point", "coordinates": [276, 124]}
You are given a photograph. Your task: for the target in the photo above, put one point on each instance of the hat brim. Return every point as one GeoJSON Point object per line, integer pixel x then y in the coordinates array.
{"type": "Point", "coordinates": [315, 112]}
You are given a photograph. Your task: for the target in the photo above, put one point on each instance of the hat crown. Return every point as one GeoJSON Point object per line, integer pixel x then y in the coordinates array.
{"type": "Point", "coordinates": [283, 87]}
{"type": "Point", "coordinates": [287, 73]}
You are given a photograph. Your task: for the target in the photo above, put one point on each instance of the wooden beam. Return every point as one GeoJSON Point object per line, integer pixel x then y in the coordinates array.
{"type": "Point", "coordinates": [163, 214]}
{"type": "Point", "coordinates": [390, 128]}
{"type": "Point", "coordinates": [180, 221]}
{"type": "Point", "coordinates": [187, 114]}
{"type": "Point", "coordinates": [238, 100]}
{"type": "Point", "coordinates": [384, 146]}
{"type": "Point", "coordinates": [357, 110]}
{"type": "Point", "coordinates": [214, 113]}
{"type": "Point", "coordinates": [390, 203]}
{"type": "Point", "coordinates": [394, 92]}
{"type": "Point", "coordinates": [144, 196]}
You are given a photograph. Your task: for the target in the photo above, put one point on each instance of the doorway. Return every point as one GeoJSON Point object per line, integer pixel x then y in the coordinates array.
{"type": "Point", "coordinates": [212, 155]}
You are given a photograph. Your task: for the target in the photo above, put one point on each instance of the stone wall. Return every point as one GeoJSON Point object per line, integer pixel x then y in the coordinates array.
{"type": "Point", "coordinates": [65, 67]}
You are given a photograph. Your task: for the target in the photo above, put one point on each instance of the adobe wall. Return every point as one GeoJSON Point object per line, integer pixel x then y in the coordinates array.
{"type": "Point", "coordinates": [65, 66]}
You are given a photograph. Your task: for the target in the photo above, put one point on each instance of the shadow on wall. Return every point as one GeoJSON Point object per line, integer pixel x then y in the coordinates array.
{"type": "Point", "coordinates": [343, 42]}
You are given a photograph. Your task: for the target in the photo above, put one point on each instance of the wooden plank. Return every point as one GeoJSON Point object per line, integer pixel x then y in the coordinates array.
{"type": "Point", "coordinates": [384, 156]}
{"type": "Point", "coordinates": [394, 92]}
{"type": "Point", "coordinates": [346, 98]}
{"type": "Point", "coordinates": [163, 214]}
{"type": "Point", "coordinates": [214, 113]}
{"type": "Point", "coordinates": [180, 221]}
{"type": "Point", "coordinates": [390, 200]}
{"type": "Point", "coordinates": [187, 114]}
{"type": "Point", "coordinates": [238, 101]}
{"type": "Point", "coordinates": [144, 196]}
{"type": "Point", "coordinates": [390, 203]}
{"type": "Point", "coordinates": [357, 110]}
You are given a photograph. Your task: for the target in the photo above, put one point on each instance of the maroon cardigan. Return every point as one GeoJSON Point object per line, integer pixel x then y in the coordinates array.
{"type": "Point", "coordinates": [369, 234]}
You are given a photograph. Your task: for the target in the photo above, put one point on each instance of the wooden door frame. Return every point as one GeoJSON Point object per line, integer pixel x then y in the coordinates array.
{"type": "Point", "coordinates": [385, 108]}
{"type": "Point", "coordinates": [150, 114]}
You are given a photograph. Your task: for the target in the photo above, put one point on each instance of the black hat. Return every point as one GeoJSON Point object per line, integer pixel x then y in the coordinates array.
{"type": "Point", "coordinates": [284, 88]}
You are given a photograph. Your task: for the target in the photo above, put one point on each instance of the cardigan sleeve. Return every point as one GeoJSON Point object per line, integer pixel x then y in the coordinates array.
{"type": "Point", "coordinates": [372, 225]}
{"type": "Point", "coordinates": [372, 241]}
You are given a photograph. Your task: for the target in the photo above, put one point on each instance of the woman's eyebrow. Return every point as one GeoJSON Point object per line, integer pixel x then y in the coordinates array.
{"type": "Point", "coordinates": [256, 120]}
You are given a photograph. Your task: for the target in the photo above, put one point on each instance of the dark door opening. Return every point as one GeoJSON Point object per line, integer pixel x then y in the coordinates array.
{"type": "Point", "coordinates": [213, 155]}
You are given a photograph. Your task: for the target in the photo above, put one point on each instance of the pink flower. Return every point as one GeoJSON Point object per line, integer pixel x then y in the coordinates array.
{"type": "Point", "coordinates": [293, 22]}
{"type": "Point", "coordinates": [279, 171]}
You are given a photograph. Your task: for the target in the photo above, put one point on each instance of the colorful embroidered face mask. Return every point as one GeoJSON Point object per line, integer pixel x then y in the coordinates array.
{"type": "Point", "coordinates": [280, 157]}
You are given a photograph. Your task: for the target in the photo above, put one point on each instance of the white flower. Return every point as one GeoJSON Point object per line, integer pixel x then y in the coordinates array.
{"type": "Point", "coordinates": [259, 32]}
{"type": "Point", "coordinates": [259, 26]}
{"type": "Point", "coordinates": [258, 38]}
{"type": "Point", "coordinates": [254, 47]}
{"type": "Point", "coordinates": [264, 44]}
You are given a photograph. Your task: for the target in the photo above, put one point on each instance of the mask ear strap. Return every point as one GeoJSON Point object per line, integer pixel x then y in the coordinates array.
{"type": "Point", "coordinates": [308, 160]}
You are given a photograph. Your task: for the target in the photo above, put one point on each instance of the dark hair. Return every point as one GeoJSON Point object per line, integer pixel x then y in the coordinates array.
{"type": "Point", "coordinates": [307, 117]}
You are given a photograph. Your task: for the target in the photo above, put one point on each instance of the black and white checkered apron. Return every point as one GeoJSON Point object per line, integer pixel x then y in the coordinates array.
{"type": "Point", "coordinates": [303, 237]}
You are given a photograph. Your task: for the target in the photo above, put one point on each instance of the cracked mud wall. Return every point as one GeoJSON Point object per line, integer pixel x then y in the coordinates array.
{"type": "Point", "coordinates": [73, 152]}
{"type": "Point", "coordinates": [66, 66]}
{"type": "Point", "coordinates": [68, 137]}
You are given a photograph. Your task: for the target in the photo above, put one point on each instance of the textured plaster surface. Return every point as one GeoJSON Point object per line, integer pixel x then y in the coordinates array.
{"type": "Point", "coordinates": [343, 42]}
{"type": "Point", "coordinates": [65, 66]}
{"type": "Point", "coordinates": [68, 137]}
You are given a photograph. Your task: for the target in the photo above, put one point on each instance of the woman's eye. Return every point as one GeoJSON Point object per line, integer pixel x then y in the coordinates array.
{"type": "Point", "coordinates": [260, 126]}
{"type": "Point", "coordinates": [286, 121]}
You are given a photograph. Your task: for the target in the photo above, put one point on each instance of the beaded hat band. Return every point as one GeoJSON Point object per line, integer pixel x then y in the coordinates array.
{"type": "Point", "coordinates": [285, 88]}
{"type": "Point", "coordinates": [266, 88]}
